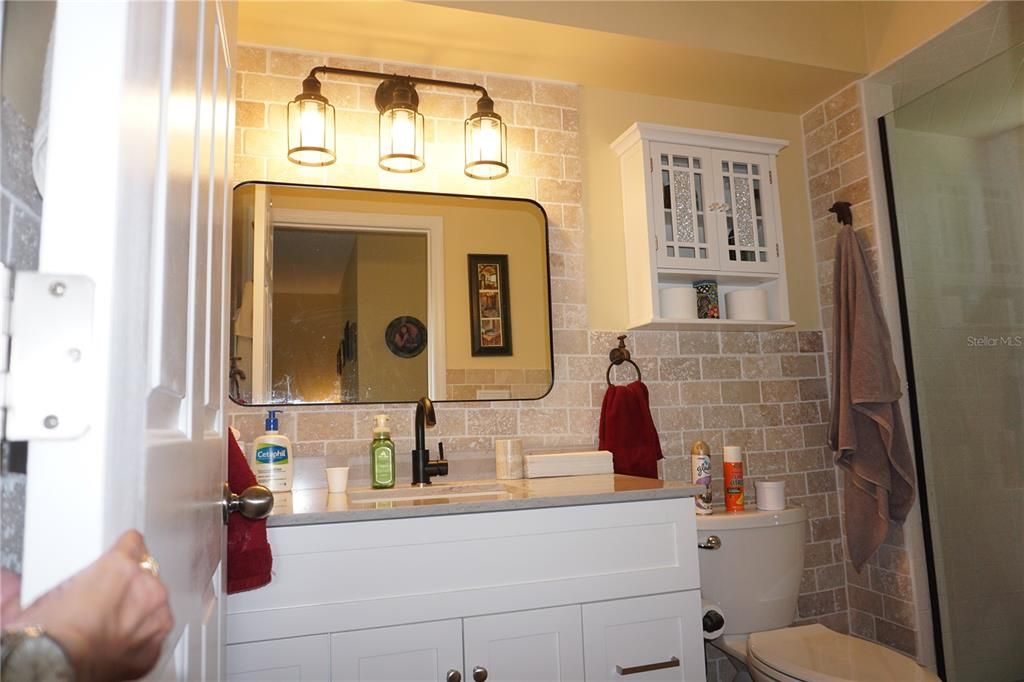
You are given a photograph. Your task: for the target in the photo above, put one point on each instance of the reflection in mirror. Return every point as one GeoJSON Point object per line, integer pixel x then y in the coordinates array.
{"type": "Point", "coordinates": [369, 296]}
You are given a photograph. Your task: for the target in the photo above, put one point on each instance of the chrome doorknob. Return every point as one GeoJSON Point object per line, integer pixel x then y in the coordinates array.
{"type": "Point", "coordinates": [713, 542]}
{"type": "Point", "coordinates": [479, 674]}
{"type": "Point", "coordinates": [255, 502]}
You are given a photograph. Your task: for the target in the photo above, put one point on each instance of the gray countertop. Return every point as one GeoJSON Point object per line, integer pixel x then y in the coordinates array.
{"type": "Point", "coordinates": [308, 507]}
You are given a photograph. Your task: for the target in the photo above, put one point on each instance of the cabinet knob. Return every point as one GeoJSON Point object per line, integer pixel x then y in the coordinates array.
{"type": "Point", "coordinates": [453, 676]}
{"type": "Point", "coordinates": [479, 674]}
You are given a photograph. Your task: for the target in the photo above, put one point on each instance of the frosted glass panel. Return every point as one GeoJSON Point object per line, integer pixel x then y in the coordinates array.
{"type": "Point", "coordinates": [744, 213]}
{"type": "Point", "coordinates": [684, 211]}
{"type": "Point", "coordinates": [957, 182]}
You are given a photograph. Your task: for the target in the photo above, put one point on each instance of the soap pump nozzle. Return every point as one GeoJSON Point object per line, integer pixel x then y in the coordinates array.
{"type": "Point", "coordinates": [271, 423]}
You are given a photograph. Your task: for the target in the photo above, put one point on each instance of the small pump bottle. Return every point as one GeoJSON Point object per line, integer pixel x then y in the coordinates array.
{"type": "Point", "coordinates": [272, 459]}
{"type": "Point", "coordinates": [700, 474]}
{"type": "Point", "coordinates": [733, 478]}
{"type": "Point", "coordinates": [382, 453]}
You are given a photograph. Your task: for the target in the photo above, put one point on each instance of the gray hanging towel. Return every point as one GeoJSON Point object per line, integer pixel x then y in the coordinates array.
{"type": "Point", "coordinates": [866, 430]}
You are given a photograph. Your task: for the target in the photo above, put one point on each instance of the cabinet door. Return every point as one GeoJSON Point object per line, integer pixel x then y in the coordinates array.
{"type": "Point", "coordinates": [745, 212]}
{"type": "Point", "coordinates": [543, 645]}
{"type": "Point", "coordinates": [644, 638]}
{"type": "Point", "coordinates": [302, 659]}
{"type": "Point", "coordinates": [424, 652]}
{"type": "Point", "coordinates": [679, 191]}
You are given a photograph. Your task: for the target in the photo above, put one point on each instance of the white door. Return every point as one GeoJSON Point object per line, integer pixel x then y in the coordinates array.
{"type": "Point", "coordinates": [423, 652]}
{"type": "Point", "coordinates": [543, 645]}
{"type": "Point", "coordinates": [136, 200]}
{"type": "Point", "coordinates": [681, 187]}
{"type": "Point", "coordinates": [746, 214]}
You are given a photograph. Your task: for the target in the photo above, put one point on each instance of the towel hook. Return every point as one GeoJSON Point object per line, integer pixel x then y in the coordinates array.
{"type": "Point", "coordinates": [618, 356]}
{"type": "Point", "coordinates": [843, 213]}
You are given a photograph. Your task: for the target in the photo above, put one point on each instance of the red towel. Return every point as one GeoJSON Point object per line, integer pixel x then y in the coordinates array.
{"type": "Point", "coordinates": [249, 558]}
{"type": "Point", "coordinates": [627, 430]}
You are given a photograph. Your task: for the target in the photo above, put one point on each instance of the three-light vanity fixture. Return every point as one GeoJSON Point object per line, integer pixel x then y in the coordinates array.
{"type": "Point", "coordinates": [311, 126]}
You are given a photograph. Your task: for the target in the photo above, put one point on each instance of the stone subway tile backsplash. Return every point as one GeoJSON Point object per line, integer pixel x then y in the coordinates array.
{"type": "Point", "coordinates": [838, 171]}
{"type": "Point", "coordinates": [761, 391]}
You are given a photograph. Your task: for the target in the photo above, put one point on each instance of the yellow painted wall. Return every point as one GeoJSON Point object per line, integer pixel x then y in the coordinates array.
{"type": "Point", "coordinates": [307, 330]}
{"type": "Point", "coordinates": [386, 291]}
{"type": "Point", "coordinates": [605, 115]}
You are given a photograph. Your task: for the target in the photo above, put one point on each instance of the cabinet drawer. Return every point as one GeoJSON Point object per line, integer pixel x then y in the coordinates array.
{"type": "Point", "coordinates": [638, 638]}
{"type": "Point", "coordinates": [295, 658]}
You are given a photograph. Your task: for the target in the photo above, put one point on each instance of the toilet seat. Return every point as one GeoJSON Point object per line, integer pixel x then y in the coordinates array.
{"type": "Point", "coordinates": [813, 653]}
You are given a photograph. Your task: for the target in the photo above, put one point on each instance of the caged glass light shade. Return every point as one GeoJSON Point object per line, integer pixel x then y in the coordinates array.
{"type": "Point", "coordinates": [486, 143]}
{"type": "Point", "coordinates": [311, 136]}
{"type": "Point", "coordinates": [401, 139]}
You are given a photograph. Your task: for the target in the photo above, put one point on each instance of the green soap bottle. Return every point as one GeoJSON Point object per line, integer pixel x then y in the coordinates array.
{"type": "Point", "coordinates": [382, 453]}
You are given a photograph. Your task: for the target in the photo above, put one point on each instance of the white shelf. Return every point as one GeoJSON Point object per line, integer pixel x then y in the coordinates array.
{"type": "Point", "coordinates": [668, 324]}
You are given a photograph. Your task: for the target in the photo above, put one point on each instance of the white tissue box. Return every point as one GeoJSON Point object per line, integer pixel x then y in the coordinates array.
{"type": "Point", "coordinates": [568, 464]}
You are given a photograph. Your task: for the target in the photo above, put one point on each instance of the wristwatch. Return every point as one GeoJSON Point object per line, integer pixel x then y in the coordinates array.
{"type": "Point", "coordinates": [29, 654]}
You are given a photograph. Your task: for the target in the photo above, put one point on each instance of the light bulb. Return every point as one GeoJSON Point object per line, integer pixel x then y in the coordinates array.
{"type": "Point", "coordinates": [403, 133]}
{"type": "Point", "coordinates": [311, 124]}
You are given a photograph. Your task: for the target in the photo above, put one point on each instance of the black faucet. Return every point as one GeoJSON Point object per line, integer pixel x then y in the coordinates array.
{"type": "Point", "coordinates": [422, 466]}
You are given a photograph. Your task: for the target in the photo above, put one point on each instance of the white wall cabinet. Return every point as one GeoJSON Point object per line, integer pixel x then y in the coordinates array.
{"type": "Point", "coordinates": [523, 595]}
{"type": "Point", "coordinates": [700, 206]}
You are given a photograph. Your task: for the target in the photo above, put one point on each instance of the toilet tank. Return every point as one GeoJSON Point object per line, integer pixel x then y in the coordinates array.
{"type": "Point", "coordinates": [755, 574]}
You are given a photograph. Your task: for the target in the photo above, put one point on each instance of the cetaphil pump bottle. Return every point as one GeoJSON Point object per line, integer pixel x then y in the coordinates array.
{"type": "Point", "coordinates": [273, 457]}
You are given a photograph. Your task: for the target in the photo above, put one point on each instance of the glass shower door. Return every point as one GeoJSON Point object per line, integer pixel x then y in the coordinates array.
{"type": "Point", "coordinates": [956, 164]}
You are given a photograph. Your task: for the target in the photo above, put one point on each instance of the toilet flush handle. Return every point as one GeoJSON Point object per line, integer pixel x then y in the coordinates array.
{"type": "Point", "coordinates": [713, 542]}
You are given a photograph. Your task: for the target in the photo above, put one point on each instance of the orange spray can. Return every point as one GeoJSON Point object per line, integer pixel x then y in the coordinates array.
{"type": "Point", "coordinates": [733, 478]}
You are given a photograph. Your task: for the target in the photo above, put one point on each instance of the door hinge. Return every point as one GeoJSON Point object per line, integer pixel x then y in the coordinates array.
{"type": "Point", "coordinates": [656, 246]}
{"type": "Point", "coordinates": [48, 355]}
{"type": "Point", "coordinates": [770, 181]}
{"type": "Point", "coordinates": [776, 249]}
{"type": "Point", "coordinates": [650, 162]}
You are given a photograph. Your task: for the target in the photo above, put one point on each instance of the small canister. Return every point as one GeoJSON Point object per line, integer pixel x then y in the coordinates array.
{"type": "Point", "coordinates": [508, 458]}
{"type": "Point", "coordinates": [733, 478]}
{"type": "Point", "coordinates": [700, 474]}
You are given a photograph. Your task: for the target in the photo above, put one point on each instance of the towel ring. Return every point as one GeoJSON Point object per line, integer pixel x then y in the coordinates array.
{"type": "Point", "coordinates": [618, 356]}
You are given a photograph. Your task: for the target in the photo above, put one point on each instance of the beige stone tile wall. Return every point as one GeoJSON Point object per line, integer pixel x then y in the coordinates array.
{"type": "Point", "coordinates": [765, 392]}
{"type": "Point", "coordinates": [881, 597]}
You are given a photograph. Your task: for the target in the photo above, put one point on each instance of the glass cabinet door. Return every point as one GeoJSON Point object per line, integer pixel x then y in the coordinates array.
{"type": "Point", "coordinates": [685, 238]}
{"type": "Point", "coordinates": [743, 202]}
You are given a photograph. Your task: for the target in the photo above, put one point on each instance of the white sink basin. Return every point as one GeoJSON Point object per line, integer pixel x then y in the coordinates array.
{"type": "Point", "coordinates": [432, 492]}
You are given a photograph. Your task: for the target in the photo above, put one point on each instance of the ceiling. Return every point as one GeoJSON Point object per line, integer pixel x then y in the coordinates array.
{"type": "Point", "coordinates": [776, 56]}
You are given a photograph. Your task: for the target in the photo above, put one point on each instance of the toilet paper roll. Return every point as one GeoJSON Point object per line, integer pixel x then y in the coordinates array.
{"type": "Point", "coordinates": [712, 619]}
{"type": "Point", "coordinates": [678, 303]}
{"type": "Point", "coordinates": [747, 304]}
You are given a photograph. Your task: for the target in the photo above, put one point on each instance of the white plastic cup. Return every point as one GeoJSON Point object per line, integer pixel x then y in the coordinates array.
{"type": "Point", "coordinates": [771, 495]}
{"type": "Point", "coordinates": [508, 458]}
{"type": "Point", "coordinates": [337, 479]}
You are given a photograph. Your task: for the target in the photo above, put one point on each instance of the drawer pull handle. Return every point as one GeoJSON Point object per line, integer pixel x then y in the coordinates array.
{"type": "Point", "coordinates": [634, 669]}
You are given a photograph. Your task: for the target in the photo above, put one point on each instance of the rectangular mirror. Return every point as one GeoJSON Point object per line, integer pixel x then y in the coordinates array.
{"type": "Point", "coordinates": [343, 295]}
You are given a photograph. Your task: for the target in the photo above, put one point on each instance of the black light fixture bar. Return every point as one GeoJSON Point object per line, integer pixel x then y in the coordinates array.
{"type": "Point", "coordinates": [311, 129]}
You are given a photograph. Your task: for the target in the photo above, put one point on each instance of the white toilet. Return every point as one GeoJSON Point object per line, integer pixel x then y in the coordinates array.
{"type": "Point", "coordinates": [754, 576]}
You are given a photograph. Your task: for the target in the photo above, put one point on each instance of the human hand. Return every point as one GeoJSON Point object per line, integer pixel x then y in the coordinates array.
{"type": "Point", "coordinates": [111, 618]}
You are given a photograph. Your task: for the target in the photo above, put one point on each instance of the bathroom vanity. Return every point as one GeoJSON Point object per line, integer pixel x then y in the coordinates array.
{"type": "Point", "coordinates": [589, 577]}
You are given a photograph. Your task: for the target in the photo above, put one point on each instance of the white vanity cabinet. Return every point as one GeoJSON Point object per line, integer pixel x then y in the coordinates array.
{"type": "Point", "coordinates": [699, 205]}
{"type": "Point", "coordinates": [562, 593]}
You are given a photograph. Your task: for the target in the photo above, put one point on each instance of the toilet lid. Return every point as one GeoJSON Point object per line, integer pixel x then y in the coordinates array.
{"type": "Point", "coordinates": [813, 652]}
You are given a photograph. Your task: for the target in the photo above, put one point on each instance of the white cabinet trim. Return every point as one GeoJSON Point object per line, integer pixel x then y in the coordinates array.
{"type": "Point", "coordinates": [654, 132]}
